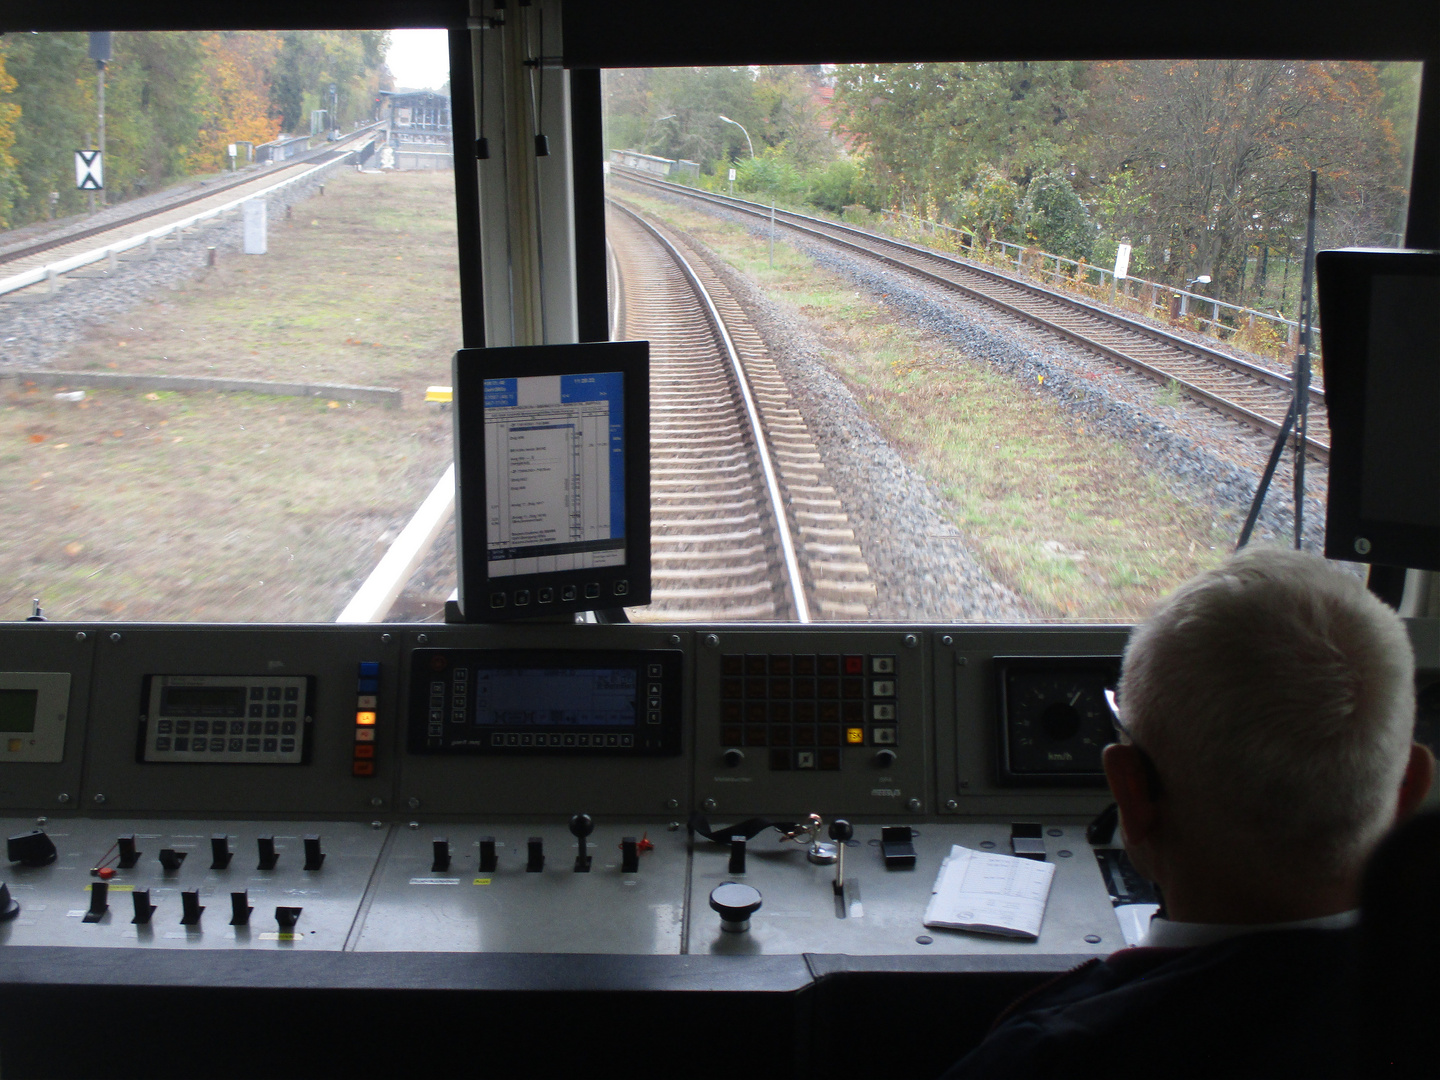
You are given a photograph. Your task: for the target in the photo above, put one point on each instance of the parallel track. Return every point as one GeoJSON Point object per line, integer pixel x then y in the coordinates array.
{"type": "Point", "coordinates": [743, 523]}
{"type": "Point", "coordinates": [53, 248]}
{"type": "Point", "coordinates": [1247, 392]}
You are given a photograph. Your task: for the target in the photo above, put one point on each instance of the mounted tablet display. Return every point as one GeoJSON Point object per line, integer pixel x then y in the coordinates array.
{"type": "Point", "coordinates": [1380, 331]}
{"type": "Point", "coordinates": [552, 481]}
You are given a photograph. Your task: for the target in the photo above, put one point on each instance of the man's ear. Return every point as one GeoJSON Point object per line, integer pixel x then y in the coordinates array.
{"type": "Point", "coordinates": [1415, 784]}
{"type": "Point", "coordinates": [1130, 784]}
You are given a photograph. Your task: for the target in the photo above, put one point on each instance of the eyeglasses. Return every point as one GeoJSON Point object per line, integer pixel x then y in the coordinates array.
{"type": "Point", "coordinates": [1115, 721]}
{"type": "Point", "coordinates": [1152, 775]}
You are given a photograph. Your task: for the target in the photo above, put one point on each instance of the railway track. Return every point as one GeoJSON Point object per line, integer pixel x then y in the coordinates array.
{"type": "Point", "coordinates": [54, 250]}
{"type": "Point", "coordinates": [1236, 387]}
{"type": "Point", "coordinates": [744, 524]}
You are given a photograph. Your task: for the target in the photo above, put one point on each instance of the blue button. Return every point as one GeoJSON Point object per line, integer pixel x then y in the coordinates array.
{"type": "Point", "coordinates": [369, 669]}
{"type": "Point", "coordinates": [368, 686]}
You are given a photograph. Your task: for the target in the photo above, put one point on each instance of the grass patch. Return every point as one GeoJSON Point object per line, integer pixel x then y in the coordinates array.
{"type": "Point", "coordinates": [237, 507]}
{"type": "Point", "coordinates": [1066, 515]}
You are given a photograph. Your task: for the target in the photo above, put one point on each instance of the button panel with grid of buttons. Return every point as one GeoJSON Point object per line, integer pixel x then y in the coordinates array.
{"type": "Point", "coordinates": [219, 719]}
{"type": "Point", "coordinates": [804, 708]}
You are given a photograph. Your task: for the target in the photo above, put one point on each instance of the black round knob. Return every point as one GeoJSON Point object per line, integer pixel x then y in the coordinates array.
{"type": "Point", "coordinates": [9, 906]}
{"type": "Point", "coordinates": [840, 830]}
{"type": "Point", "coordinates": [884, 759]}
{"type": "Point", "coordinates": [581, 824]}
{"type": "Point", "coordinates": [733, 757]}
{"type": "Point", "coordinates": [735, 902]}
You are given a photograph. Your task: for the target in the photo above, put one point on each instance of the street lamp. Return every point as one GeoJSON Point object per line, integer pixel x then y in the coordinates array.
{"type": "Point", "coordinates": [742, 128]}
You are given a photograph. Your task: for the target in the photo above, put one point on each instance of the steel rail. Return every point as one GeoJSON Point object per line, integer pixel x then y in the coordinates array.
{"type": "Point", "coordinates": [1315, 448]}
{"type": "Point", "coordinates": [53, 270]}
{"type": "Point", "coordinates": [120, 223]}
{"type": "Point", "coordinates": [752, 412]}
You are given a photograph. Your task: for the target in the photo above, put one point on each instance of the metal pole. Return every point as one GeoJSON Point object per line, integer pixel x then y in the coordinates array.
{"type": "Point", "coordinates": [100, 94]}
{"type": "Point", "coordinates": [1302, 365]}
{"type": "Point", "coordinates": [772, 232]}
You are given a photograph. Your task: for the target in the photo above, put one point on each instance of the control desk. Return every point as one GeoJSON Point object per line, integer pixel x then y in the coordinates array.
{"type": "Point", "coordinates": [287, 850]}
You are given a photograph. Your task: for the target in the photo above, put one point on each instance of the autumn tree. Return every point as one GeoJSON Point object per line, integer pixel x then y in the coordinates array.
{"type": "Point", "coordinates": [9, 173]}
{"type": "Point", "coordinates": [1223, 150]}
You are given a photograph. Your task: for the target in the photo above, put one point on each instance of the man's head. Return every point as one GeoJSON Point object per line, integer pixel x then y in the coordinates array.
{"type": "Point", "coordinates": [1275, 697]}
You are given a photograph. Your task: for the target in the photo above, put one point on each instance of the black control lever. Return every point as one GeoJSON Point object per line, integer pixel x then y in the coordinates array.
{"type": "Point", "coordinates": [171, 859]}
{"type": "Point", "coordinates": [737, 854]}
{"type": "Point", "coordinates": [143, 907]}
{"type": "Point", "coordinates": [314, 857]}
{"type": "Point", "coordinates": [1101, 831]}
{"type": "Point", "coordinates": [581, 826]}
{"type": "Point", "coordinates": [240, 908]}
{"type": "Point", "coordinates": [220, 853]}
{"type": "Point", "coordinates": [31, 849]}
{"type": "Point", "coordinates": [99, 894]}
{"type": "Point", "coordinates": [9, 906]}
{"type": "Point", "coordinates": [488, 860]}
{"type": "Point", "coordinates": [536, 860]}
{"type": "Point", "coordinates": [128, 855]}
{"type": "Point", "coordinates": [840, 831]}
{"type": "Point", "coordinates": [287, 916]}
{"type": "Point", "coordinates": [441, 862]}
{"type": "Point", "coordinates": [268, 855]}
{"type": "Point", "coordinates": [190, 899]}
{"type": "Point", "coordinates": [629, 856]}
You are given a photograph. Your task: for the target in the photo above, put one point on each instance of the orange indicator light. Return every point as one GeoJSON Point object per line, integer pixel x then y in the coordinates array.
{"type": "Point", "coordinates": [855, 736]}
{"type": "Point", "coordinates": [366, 718]}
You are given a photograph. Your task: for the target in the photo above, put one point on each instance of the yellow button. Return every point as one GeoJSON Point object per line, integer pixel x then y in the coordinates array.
{"type": "Point", "coordinates": [16, 745]}
{"type": "Point", "coordinates": [855, 736]}
{"type": "Point", "coordinates": [364, 717]}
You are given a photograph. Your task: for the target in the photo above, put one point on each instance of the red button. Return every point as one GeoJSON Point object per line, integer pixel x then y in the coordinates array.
{"type": "Point", "coordinates": [363, 768]}
{"type": "Point", "coordinates": [854, 665]}
{"type": "Point", "coordinates": [365, 750]}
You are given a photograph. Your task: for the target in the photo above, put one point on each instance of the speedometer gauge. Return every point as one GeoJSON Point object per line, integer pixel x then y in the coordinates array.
{"type": "Point", "coordinates": [1054, 721]}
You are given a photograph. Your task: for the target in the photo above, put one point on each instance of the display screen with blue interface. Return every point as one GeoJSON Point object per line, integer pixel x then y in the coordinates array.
{"type": "Point", "coordinates": [555, 473]}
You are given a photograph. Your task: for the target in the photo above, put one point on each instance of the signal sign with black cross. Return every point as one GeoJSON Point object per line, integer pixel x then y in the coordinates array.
{"type": "Point", "coordinates": [89, 170]}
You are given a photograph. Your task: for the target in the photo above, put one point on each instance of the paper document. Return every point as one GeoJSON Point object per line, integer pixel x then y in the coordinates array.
{"type": "Point", "coordinates": [990, 893]}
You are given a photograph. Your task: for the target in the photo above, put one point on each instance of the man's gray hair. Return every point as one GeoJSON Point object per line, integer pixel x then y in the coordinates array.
{"type": "Point", "coordinates": [1276, 697]}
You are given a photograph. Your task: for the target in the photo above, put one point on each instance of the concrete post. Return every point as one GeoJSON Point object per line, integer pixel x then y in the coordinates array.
{"type": "Point", "coordinates": [254, 227]}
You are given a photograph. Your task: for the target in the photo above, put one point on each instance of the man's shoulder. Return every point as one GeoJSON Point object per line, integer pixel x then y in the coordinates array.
{"type": "Point", "coordinates": [1244, 1006]}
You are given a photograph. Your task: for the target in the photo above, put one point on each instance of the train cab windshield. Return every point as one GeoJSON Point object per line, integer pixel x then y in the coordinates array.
{"type": "Point", "coordinates": [1017, 334]}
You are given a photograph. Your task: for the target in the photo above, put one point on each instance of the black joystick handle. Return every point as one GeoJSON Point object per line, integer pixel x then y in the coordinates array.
{"type": "Point", "coordinates": [287, 917]}
{"type": "Point", "coordinates": [440, 848]}
{"type": "Point", "coordinates": [170, 859]}
{"type": "Point", "coordinates": [140, 899]}
{"type": "Point", "coordinates": [99, 901]}
{"type": "Point", "coordinates": [268, 855]}
{"type": "Point", "coordinates": [840, 830]}
{"type": "Point", "coordinates": [736, 902]}
{"type": "Point", "coordinates": [9, 906]}
{"type": "Point", "coordinates": [129, 856]}
{"type": "Point", "coordinates": [31, 849]}
{"type": "Point", "coordinates": [314, 857]}
{"type": "Point", "coordinates": [191, 907]}
{"type": "Point", "coordinates": [220, 853]}
{"type": "Point", "coordinates": [489, 860]}
{"type": "Point", "coordinates": [581, 826]}
{"type": "Point", "coordinates": [240, 908]}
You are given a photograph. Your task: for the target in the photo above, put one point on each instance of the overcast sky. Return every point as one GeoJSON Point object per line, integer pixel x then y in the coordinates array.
{"type": "Point", "coordinates": [419, 59]}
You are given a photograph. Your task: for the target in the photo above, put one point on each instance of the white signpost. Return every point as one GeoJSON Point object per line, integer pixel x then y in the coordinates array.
{"type": "Point", "coordinates": [89, 170]}
{"type": "Point", "coordinates": [1122, 260]}
{"type": "Point", "coordinates": [232, 149]}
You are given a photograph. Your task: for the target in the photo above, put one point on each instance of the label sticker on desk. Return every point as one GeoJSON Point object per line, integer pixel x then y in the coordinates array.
{"type": "Point", "coordinates": [481, 881]}
{"type": "Point", "coordinates": [114, 887]}
{"type": "Point", "coordinates": [434, 881]}
{"type": "Point", "coordinates": [274, 936]}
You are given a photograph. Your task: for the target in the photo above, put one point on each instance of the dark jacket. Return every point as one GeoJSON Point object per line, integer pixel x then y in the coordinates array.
{"type": "Point", "coordinates": [1267, 1004]}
